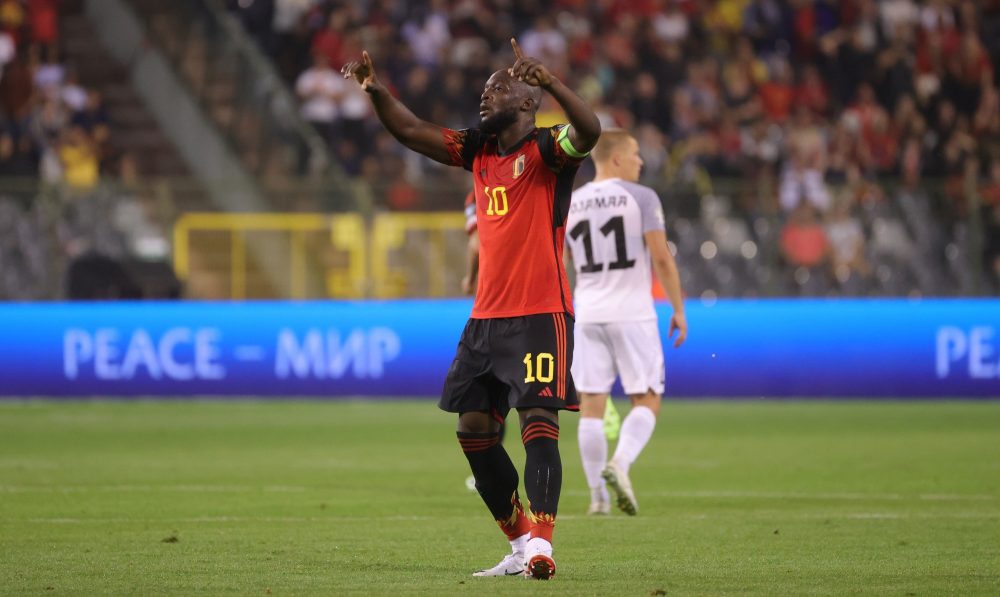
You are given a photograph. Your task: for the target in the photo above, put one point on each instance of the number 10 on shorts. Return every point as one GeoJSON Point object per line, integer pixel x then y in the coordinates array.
{"type": "Point", "coordinates": [543, 365]}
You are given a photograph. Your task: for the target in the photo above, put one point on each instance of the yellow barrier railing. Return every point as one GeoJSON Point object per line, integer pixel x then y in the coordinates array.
{"type": "Point", "coordinates": [394, 235]}
{"type": "Point", "coordinates": [397, 254]}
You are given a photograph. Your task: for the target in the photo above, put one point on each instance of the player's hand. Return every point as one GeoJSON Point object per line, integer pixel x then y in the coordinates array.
{"type": "Point", "coordinates": [529, 70]}
{"type": "Point", "coordinates": [363, 72]}
{"type": "Point", "coordinates": [468, 285]}
{"type": "Point", "coordinates": [679, 324]}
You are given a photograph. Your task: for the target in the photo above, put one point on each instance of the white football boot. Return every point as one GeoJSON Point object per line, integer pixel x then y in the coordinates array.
{"type": "Point", "coordinates": [512, 564]}
{"type": "Point", "coordinates": [618, 481]}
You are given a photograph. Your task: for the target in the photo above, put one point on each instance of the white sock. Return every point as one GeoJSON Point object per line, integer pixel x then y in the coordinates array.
{"type": "Point", "coordinates": [518, 545]}
{"type": "Point", "coordinates": [637, 428]}
{"type": "Point", "coordinates": [594, 454]}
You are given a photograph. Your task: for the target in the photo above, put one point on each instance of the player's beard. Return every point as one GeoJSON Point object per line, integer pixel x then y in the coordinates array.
{"type": "Point", "coordinates": [497, 121]}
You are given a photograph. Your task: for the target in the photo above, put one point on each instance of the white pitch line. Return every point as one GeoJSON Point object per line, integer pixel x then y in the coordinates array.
{"type": "Point", "coordinates": [153, 489]}
{"type": "Point", "coordinates": [236, 519]}
{"type": "Point", "coordinates": [792, 495]}
{"type": "Point", "coordinates": [956, 497]}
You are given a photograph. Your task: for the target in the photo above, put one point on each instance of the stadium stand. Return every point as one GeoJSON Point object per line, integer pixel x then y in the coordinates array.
{"type": "Point", "coordinates": [75, 145]}
{"type": "Point", "coordinates": [883, 116]}
{"type": "Point", "coordinates": [880, 118]}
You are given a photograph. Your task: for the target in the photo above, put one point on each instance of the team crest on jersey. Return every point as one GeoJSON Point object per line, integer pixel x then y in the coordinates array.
{"type": "Point", "coordinates": [519, 165]}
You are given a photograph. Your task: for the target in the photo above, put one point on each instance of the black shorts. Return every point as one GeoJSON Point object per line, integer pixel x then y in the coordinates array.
{"type": "Point", "coordinates": [512, 362]}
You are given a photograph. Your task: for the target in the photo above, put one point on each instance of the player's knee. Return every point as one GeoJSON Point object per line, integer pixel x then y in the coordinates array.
{"type": "Point", "coordinates": [476, 422]}
{"type": "Point", "coordinates": [527, 413]}
{"type": "Point", "coordinates": [592, 405]}
{"type": "Point", "coordinates": [650, 400]}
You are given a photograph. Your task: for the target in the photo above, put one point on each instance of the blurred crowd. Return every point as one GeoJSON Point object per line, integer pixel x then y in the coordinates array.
{"type": "Point", "coordinates": [55, 145]}
{"type": "Point", "coordinates": [51, 127]}
{"type": "Point", "coordinates": [811, 104]}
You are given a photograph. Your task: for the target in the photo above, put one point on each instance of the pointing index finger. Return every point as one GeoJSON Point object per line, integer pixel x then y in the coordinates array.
{"type": "Point", "coordinates": [517, 49]}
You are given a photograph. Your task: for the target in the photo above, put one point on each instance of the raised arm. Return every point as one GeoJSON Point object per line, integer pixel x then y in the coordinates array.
{"type": "Point", "coordinates": [419, 135]}
{"type": "Point", "coordinates": [665, 268]}
{"type": "Point", "coordinates": [585, 128]}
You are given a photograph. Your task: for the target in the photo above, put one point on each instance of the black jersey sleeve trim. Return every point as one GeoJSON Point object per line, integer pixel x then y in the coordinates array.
{"type": "Point", "coordinates": [560, 268]}
{"type": "Point", "coordinates": [547, 148]}
{"type": "Point", "coordinates": [473, 143]}
{"type": "Point", "coordinates": [563, 194]}
{"type": "Point", "coordinates": [463, 145]}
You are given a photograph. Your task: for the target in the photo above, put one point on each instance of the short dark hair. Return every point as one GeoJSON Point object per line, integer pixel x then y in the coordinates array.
{"type": "Point", "coordinates": [609, 142]}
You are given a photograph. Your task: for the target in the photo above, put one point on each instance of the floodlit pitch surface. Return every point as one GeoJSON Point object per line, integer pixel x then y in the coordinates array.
{"type": "Point", "coordinates": [256, 498]}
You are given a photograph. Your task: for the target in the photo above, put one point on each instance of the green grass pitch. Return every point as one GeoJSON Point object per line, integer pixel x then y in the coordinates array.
{"type": "Point", "coordinates": [335, 498]}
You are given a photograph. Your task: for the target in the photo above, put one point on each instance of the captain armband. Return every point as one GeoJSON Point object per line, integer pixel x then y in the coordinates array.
{"type": "Point", "coordinates": [567, 145]}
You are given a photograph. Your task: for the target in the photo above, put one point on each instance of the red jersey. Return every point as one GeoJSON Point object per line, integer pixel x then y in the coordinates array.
{"type": "Point", "coordinates": [522, 199]}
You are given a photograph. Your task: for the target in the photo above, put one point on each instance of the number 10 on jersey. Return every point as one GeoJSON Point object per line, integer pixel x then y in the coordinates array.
{"type": "Point", "coordinates": [540, 367]}
{"type": "Point", "coordinates": [497, 197]}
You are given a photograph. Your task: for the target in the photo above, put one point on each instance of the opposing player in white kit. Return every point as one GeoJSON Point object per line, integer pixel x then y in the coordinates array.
{"type": "Point", "coordinates": [617, 239]}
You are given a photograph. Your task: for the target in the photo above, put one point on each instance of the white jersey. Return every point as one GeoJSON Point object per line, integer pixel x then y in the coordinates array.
{"type": "Point", "coordinates": [604, 232]}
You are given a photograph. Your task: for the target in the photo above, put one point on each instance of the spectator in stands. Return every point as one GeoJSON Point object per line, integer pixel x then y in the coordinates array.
{"type": "Point", "coordinates": [43, 22]}
{"type": "Point", "coordinates": [79, 158]}
{"type": "Point", "coordinates": [893, 70]}
{"type": "Point", "coordinates": [806, 248]}
{"type": "Point", "coordinates": [672, 24]}
{"type": "Point", "coordinates": [546, 43]}
{"type": "Point", "coordinates": [848, 259]}
{"type": "Point", "coordinates": [802, 179]}
{"type": "Point", "coordinates": [812, 92]}
{"type": "Point", "coordinates": [49, 74]}
{"type": "Point", "coordinates": [93, 117]}
{"type": "Point", "coordinates": [330, 41]}
{"type": "Point", "coordinates": [353, 111]}
{"type": "Point", "coordinates": [428, 33]}
{"type": "Point", "coordinates": [16, 88]}
{"type": "Point", "coordinates": [320, 89]}
{"type": "Point", "coordinates": [778, 92]}
{"type": "Point", "coordinates": [898, 15]}
{"type": "Point", "coordinates": [291, 41]}
{"type": "Point", "coordinates": [739, 95]}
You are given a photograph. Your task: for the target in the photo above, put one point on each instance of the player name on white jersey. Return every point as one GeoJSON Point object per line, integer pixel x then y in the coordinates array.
{"type": "Point", "coordinates": [598, 203]}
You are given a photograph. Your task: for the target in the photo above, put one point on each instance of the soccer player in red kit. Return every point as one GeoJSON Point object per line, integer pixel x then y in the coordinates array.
{"type": "Point", "coordinates": [516, 349]}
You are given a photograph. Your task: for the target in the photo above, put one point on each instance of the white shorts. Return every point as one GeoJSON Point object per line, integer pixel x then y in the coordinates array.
{"type": "Point", "coordinates": [629, 349]}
